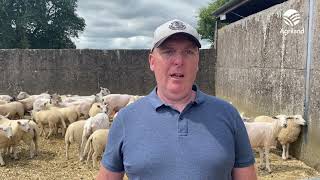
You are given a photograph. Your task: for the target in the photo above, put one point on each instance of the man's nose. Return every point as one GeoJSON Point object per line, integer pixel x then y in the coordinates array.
{"type": "Point", "coordinates": [178, 59]}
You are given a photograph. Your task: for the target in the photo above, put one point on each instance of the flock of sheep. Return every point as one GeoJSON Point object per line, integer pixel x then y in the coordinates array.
{"type": "Point", "coordinates": [264, 131]}
{"type": "Point", "coordinates": [84, 120]}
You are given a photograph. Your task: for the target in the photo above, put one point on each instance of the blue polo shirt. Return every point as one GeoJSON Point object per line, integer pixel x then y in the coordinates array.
{"type": "Point", "coordinates": [150, 140]}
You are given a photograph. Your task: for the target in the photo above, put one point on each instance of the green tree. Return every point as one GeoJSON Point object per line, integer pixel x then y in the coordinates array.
{"type": "Point", "coordinates": [39, 24]}
{"type": "Point", "coordinates": [206, 21]}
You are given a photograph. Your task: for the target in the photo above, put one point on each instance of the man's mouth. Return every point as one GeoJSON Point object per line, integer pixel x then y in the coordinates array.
{"type": "Point", "coordinates": [177, 75]}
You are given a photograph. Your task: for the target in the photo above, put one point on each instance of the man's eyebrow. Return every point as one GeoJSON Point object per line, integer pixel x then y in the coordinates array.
{"type": "Point", "coordinates": [165, 47]}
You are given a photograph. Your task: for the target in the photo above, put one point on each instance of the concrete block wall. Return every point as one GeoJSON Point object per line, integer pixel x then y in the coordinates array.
{"type": "Point", "coordinates": [84, 71]}
{"type": "Point", "coordinates": [262, 70]}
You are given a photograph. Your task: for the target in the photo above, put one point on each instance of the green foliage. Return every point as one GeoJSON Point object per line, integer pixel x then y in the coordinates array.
{"type": "Point", "coordinates": [206, 21]}
{"type": "Point", "coordinates": [39, 24]}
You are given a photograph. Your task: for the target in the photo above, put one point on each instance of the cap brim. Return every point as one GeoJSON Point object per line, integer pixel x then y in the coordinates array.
{"type": "Point", "coordinates": [189, 36]}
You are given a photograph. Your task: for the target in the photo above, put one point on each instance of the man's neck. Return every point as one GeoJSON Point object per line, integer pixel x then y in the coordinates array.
{"type": "Point", "coordinates": [178, 104]}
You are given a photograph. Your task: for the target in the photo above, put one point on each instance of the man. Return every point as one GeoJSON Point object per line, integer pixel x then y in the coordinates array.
{"type": "Point", "coordinates": [177, 132]}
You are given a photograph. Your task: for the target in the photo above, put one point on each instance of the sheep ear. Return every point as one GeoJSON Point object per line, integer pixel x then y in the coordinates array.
{"type": "Point", "coordinates": [274, 117]}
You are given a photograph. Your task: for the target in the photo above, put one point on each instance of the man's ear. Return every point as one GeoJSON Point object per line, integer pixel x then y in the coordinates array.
{"type": "Point", "coordinates": [151, 61]}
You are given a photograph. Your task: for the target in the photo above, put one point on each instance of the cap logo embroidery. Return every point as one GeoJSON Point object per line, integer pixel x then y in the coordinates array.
{"type": "Point", "coordinates": [177, 25]}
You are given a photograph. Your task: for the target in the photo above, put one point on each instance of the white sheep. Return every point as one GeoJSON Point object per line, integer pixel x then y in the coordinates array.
{"type": "Point", "coordinates": [81, 105]}
{"type": "Point", "coordinates": [290, 134]}
{"type": "Point", "coordinates": [95, 109]}
{"type": "Point", "coordinates": [6, 98]}
{"type": "Point", "coordinates": [51, 118]}
{"type": "Point", "coordinates": [70, 114]}
{"type": "Point", "coordinates": [5, 137]}
{"type": "Point", "coordinates": [286, 135]}
{"type": "Point", "coordinates": [262, 135]}
{"type": "Point", "coordinates": [74, 135]}
{"type": "Point", "coordinates": [40, 104]}
{"type": "Point", "coordinates": [134, 98]}
{"type": "Point", "coordinates": [28, 102]}
{"type": "Point", "coordinates": [3, 102]}
{"type": "Point", "coordinates": [115, 102]}
{"type": "Point", "coordinates": [22, 95]}
{"type": "Point", "coordinates": [99, 121]}
{"type": "Point", "coordinates": [95, 146]}
{"type": "Point", "coordinates": [13, 109]}
{"type": "Point", "coordinates": [19, 129]}
{"type": "Point", "coordinates": [244, 118]}
{"type": "Point", "coordinates": [264, 119]}
{"type": "Point", "coordinates": [104, 91]}
{"type": "Point", "coordinates": [31, 137]}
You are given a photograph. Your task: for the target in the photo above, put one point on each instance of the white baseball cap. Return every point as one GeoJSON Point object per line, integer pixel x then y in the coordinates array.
{"type": "Point", "coordinates": [172, 27]}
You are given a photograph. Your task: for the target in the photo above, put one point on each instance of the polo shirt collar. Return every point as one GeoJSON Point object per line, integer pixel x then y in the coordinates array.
{"type": "Point", "coordinates": [157, 102]}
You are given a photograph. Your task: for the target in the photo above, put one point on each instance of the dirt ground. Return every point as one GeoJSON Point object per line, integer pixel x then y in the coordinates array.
{"type": "Point", "coordinates": [51, 164]}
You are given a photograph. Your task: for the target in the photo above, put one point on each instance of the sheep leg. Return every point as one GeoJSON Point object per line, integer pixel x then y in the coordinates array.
{"type": "Point", "coordinates": [41, 129]}
{"type": "Point", "coordinates": [10, 151]}
{"type": "Point", "coordinates": [89, 155]}
{"type": "Point", "coordinates": [50, 132]}
{"type": "Point", "coordinates": [67, 149]}
{"type": "Point", "coordinates": [95, 159]}
{"type": "Point", "coordinates": [83, 143]}
{"type": "Point", "coordinates": [32, 149]}
{"type": "Point", "coordinates": [15, 153]}
{"type": "Point", "coordinates": [56, 129]}
{"type": "Point", "coordinates": [287, 151]}
{"type": "Point", "coordinates": [284, 152]}
{"type": "Point", "coordinates": [63, 131]}
{"type": "Point", "coordinates": [7, 150]}
{"type": "Point", "coordinates": [79, 150]}
{"type": "Point", "coordinates": [261, 166]}
{"type": "Point", "coordinates": [35, 142]}
{"type": "Point", "coordinates": [1, 160]}
{"type": "Point", "coordinates": [266, 150]}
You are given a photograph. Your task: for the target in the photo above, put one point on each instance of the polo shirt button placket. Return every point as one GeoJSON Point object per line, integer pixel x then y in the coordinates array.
{"type": "Point", "coordinates": [182, 126]}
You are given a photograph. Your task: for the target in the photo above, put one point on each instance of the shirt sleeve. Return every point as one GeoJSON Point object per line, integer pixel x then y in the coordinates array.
{"type": "Point", "coordinates": [244, 156]}
{"type": "Point", "coordinates": [113, 157]}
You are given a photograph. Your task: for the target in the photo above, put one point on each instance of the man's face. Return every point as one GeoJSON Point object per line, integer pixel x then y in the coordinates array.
{"type": "Point", "coordinates": [175, 64]}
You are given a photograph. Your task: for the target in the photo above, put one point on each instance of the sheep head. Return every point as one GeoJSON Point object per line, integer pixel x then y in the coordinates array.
{"type": "Point", "coordinates": [298, 119]}
{"type": "Point", "coordinates": [283, 119]}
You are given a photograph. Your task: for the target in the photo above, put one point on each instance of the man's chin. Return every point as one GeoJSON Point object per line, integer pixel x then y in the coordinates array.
{"type": "Point", "coordinates": [176, 89]}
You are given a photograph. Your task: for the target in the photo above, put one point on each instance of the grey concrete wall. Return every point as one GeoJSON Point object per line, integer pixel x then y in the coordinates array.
{"type": "Point", "coordinates": [84, 71]}
{"type": "Point", "coordinates": [310, 150]}
{"type": "Point", "coordinates": [261, 70]}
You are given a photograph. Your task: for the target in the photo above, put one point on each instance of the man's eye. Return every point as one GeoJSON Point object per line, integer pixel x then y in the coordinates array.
{"type": "Point", "coordinates": [169, 52]}
{"type": "Point", "coordinates": [190, 52]}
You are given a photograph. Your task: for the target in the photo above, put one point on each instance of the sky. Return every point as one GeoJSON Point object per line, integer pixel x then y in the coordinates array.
{"type": "Point", "coordinates": [129, 24]}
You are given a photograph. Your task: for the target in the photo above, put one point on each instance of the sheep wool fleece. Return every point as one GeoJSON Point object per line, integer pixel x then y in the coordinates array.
{"type": "Point", "coordinates": [150, 140]}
